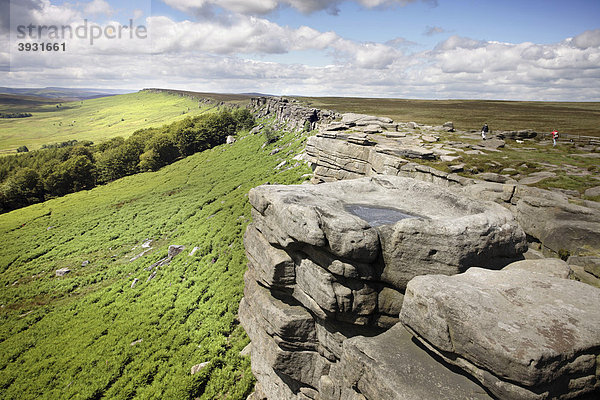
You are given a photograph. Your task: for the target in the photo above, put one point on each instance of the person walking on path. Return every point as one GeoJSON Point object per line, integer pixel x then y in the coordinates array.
{"type": "Point", "coordinates": [484, 131]}
{"type": "Point", "coordinates": [554, 137]}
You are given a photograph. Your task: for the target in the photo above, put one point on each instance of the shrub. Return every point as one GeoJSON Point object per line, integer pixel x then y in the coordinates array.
{"type": "Point", "coordinates": [564, 254]}
{"type": "Point", "coordinates": [307, 126]}
{"type": "Point", "coordinates": [270, 135]}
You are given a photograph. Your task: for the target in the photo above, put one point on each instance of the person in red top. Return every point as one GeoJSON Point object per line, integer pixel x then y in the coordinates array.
{"type": "Point", "coordinates": [554, 137]}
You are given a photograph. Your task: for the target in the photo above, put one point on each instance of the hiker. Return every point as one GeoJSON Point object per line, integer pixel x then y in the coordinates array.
{"type": "Point", "coordinates": [484, 131]}
{"type": "Point", "coordinates": [554, 137]}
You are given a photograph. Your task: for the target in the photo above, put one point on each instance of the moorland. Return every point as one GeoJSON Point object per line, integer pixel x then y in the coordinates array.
{"type": "Point", "coordinates": [118, 326]}
{"type": "Point", "coordinates": [570, 118]}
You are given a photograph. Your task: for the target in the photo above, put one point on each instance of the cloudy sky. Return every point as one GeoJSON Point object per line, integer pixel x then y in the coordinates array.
{"type": "Point", "coordinates": [435, 49]}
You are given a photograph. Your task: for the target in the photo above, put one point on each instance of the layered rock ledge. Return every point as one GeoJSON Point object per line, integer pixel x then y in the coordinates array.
{"type": "Point", "coordinates": [332, 261]}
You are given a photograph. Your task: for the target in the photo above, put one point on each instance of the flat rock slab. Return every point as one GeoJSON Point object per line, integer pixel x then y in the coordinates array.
{"type": "Point", "coordinates": [593, 192]}
{"type": "Point", "coordinates": [548, 266]}
{"type": "Point", "coordinates": [352, 118]}
{"type": "Point", "coordinates": [322, 216]}
{"type": "Point", "coordinates": [391, 366]}
{"type": "Point", "coordinates": [536, 177]}
{"type": "Point", "coordinates": [522, 334]}
{"type": "Point", "coordinates": [557, 223]}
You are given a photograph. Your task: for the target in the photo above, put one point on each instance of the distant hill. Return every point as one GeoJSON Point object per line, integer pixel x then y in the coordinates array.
{"type": "Point", "coordinates": [205, 95]}
{"type": "Point", "coordinates": [8, 101]}
{"type": "Point", "coordinates": [55, 120]}
{"type": "Point", "coordinates": [256, 94]}
{"type": "Point", "coordinates": [65, 94]}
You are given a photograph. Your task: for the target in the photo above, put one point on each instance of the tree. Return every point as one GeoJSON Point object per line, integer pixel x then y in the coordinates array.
{"type": "Point", "coordinates": [111, 144]}
{"type": "Point", "coordinates": [214, 129]}
{"type": "Point", "coordinates": [22, 149]}
{"type": "Point", "coordinates": [81, 151]}
{"type": "Point", "coordinates": [243, 118]}
{"type": "Point", "coordinates": [21, 189]}
{"type": "Point", "coordinates": [161, 150]}
{"type": "Point", "coordinates": [185, 135]}
{"type": "Point", "coordinates": [81, 172]}
{"type": "Point", "coordinates": [77, 173]}
{"type": "Point", "coordinates": [118, 162]}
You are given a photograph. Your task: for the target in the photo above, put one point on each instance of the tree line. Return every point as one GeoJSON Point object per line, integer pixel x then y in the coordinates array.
{"type": "Point", "coordinates": [15, 115]}
{"type": "Point", "coordinates": [56, 170]}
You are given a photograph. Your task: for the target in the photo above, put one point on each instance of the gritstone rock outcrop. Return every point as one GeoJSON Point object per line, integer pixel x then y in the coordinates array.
{"type": "Point", "coordinates": [404, 284]}
{"type": "Point", "coordinates": [332, 261]}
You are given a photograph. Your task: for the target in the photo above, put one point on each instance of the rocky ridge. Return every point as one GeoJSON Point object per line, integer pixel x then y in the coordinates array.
{"type": "Point", "coordinates": [290, 113]}
{"type": "Point", "coordinates": [402, 284]}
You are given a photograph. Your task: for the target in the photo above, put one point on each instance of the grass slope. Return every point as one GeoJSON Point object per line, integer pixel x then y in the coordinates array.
{"type": "Point", "coordinates": [567, 117]}
{"type": "Point", "coordinates": [89, 335]}
{"type": "Point", "coordinates": [95, 119]}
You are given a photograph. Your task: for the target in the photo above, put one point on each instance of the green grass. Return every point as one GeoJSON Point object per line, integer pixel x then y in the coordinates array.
{"type": "Point", "coordinates": [95, 119]}
{"type": "Point", "coordinates": [531, 157]}
{"type": "Point", "coordinates": [78, 337]}
{"type": "Point", "coordinates": [568, 117]}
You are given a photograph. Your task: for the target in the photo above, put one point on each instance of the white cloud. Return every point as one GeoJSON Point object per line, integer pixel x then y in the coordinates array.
{"type": "Point", "coordinates": [252, 35]}
{"type": "Point", "coordinates": [98, 7]}
{"type": "Point", "coordinates": [456, 42]}
{"type": "Point", "coordinates": [229, 53]}
{"type": "Point", "coordinates": [587, 39]}
{"type": "Point", "coordinates": [400, 42]}
{"type": "Point", "coordinates": [262, 7]}
{"type": "Point", "coordinates": [433, 30]}
{"type": "Point", "coordinates": [242, 35]}
{"type": "Point", "coordinates": [41, 12]}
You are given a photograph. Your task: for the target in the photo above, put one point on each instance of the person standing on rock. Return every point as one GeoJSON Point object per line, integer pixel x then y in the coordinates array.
{"type": "Point", "coordinates": [484, 131]}
{"type": "Point", "coordinates": [554, 137]}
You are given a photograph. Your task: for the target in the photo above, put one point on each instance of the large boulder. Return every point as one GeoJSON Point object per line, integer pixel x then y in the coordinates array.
{"type": "Point", "coordinates": [283, 341]}
{"type": "Point", "coordinates": [315, 215]}
{"type": "Point", "coordinates": [271, 266]}
{"type": "Point", "coordinates": [514, 135]}
{"type": "Point", "coordinates": [62, 271]}
{"type": "Point", "coordinates": [330, 262]}
{"type": "Point", "coordinates": [364, 120]}
{"type": "Point", "coordinates": [561, 227]}
{"type": "Point", "coordinates": [521, 334]}
{"type": "Point", "coordinates": [414, 218]}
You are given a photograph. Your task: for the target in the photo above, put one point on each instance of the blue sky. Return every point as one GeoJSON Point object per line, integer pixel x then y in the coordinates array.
{"type": "Point", "coordinates": [519, 50]}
